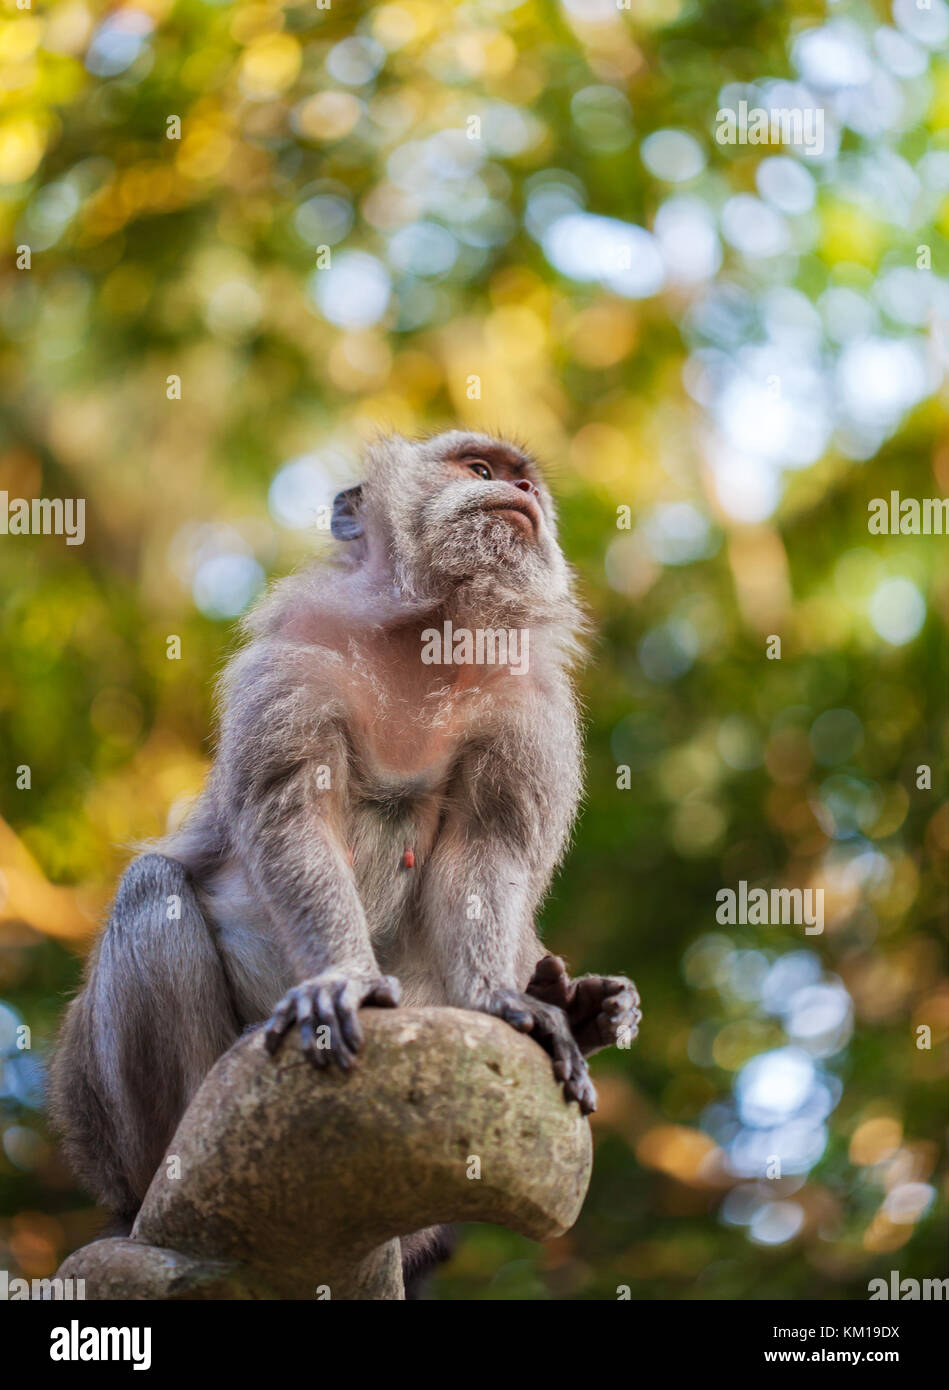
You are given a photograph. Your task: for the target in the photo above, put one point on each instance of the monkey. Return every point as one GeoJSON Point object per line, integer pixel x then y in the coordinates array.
{"type": "Point", "coordinates": [375, 829]}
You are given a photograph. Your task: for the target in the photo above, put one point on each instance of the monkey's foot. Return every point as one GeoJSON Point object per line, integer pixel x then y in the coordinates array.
{"type": "Point", "coordinates": [550, 1027]}
{"type": "Point", "coordinates": [326, 1009]}
{"type": "Point", "coordinates": [601, 1009]}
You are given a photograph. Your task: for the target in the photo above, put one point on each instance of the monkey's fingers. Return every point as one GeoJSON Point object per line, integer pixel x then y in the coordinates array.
{"type": "Point", "coordinates": [563, 1055]}
{"type": "Point", "coordinates": [307, 1014]}
{"type": "Point", "coordinates": [349, 996]}
{"type": "Point", "coordinates": [582, 1090]}
{"type": "Point", "coordinates": [591, 993]}
{"type": "Point", "coordinates": [338, 1051]}
{"type": "Point", "coordinates": [281, 1021]}
{"type": "Point", "coordinates": [571, 1070]}
{"type": "Point", "coordinates": [384, 993]}
{"type": "Point", "coordinates": [549, 1026]}
{"type": "Point", "coordinates": [346, 1001]}
{"type": "Point", "coordinates": [622, 1007]}
{"type": "Point", "coordinates": [621, 1022]}
{"type": "Point", "coordinates": [623, 1002]}
{"type": "Point", "coordinates": [551, 983]}
{"type": "Point", "coordinates": [615, 1024]}
{"type": "Point", "coordinates": [552, 1031]}
{"type": "Point", "coordinates": [614, 1005]}
{"type": "Point", "coordinates": [601, 1005]}
{"type": "Point", "coordinates": [518, 1017]}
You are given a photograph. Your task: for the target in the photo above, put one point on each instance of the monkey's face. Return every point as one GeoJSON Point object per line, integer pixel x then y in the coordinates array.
{"type": "Point", "coordinates": [464, 506]}
{"type": "Point", "coordinates": [483, 508]}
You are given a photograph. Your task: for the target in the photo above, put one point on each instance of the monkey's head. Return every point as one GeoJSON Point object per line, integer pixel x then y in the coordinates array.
{"type": "Point", "coordinates": [457, 509]}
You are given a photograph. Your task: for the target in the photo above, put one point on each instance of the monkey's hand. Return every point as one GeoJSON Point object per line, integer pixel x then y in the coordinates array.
{"type": "Point", "coordinates": [601, 1009]}
{"type": "Point", "coordinates": [326, 1009]}
{"type": "Point", "coordinates": [550, 1027]}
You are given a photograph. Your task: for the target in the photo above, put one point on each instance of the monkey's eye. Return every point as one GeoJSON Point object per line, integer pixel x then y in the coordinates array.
{"type": "Point", "coordinates": [482, 470]}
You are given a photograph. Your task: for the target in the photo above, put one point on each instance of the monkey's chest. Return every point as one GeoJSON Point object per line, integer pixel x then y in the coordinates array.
{"type": "Point", "coordinates": [391, 832]}
{"type": "Point", "coordinates": [401, 781]}
{"type": "Point", "coordinates": [407, 727]}
{"type": "Point", "coordinates": [393, 829]}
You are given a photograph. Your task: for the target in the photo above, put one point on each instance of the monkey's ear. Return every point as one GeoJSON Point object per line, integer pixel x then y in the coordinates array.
{"type": "Point", "coordinates": [345, 524]}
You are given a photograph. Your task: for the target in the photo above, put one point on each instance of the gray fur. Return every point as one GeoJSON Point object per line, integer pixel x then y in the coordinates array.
{"type": "Point", "coordinates": [297, 905]}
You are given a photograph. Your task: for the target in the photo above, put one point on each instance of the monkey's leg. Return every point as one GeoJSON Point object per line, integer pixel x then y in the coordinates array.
{"type": "Point", "coordinates": [297, 864]}
{"type": "Point", "coordinates": [601, 1009]}
{"type": "Point", "coordinates": [154, 1016]}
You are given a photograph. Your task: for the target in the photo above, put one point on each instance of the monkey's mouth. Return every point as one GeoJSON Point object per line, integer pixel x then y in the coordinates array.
{"type": "Point", "coordinates": [523, 513]}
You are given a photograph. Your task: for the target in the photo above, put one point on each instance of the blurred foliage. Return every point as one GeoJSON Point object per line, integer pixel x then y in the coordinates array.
{"type": "Point", "coordinates": [290, 209]}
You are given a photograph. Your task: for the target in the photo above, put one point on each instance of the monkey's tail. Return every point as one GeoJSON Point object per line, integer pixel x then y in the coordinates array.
{"type": "Point", "coordinates": [152, 1019]}
{"type": "Point", "coordinates": [422, 1253]}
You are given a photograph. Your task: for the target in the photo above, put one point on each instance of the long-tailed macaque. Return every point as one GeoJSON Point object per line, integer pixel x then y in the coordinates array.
{"type": "Point", "coordinates": [397, 772]}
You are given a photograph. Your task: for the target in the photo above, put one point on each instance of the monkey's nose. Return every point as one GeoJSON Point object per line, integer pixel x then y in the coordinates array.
{"type": "Point", "coordinates": [525, 485]}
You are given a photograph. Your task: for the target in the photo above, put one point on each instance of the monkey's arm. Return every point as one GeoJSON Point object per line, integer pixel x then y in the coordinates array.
{"type": "Point", "coordinates": [283, 771]}
{"type": "Point", "coordinates": [299, 867]}
{"type": "Point", "coordinates": [499, 843]}
{"type": "Point", "coordinates": [477, 906]}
